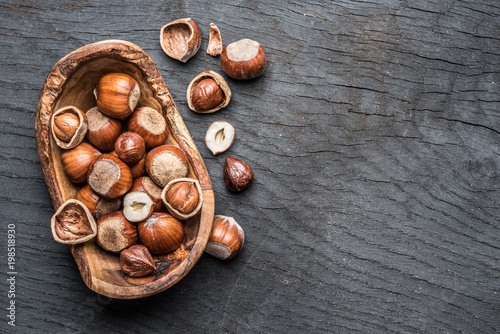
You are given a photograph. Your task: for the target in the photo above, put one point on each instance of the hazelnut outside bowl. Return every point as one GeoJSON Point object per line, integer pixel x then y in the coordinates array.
{"type": "Point", "coordinates": [71, 82]}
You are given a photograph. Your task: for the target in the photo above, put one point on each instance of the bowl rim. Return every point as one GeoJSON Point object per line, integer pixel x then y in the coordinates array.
{"type": "Point", "coordinates": [51, 91]}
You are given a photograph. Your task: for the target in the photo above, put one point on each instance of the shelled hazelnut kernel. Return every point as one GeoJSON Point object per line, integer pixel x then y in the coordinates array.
{"type": "Point", "coordinates": [136, 261]}
{"type": "Point", "coordinates": [145, 184]}
{"type": "Point", "coordinates": [130, 148]}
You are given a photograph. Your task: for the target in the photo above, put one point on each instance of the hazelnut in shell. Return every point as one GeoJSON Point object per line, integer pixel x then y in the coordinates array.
{"type": "Point", "coordinates": [146, 185]}
{"type": "Point", "coordinates": [103, 130]}
{"type": "Point", "coordinates": [73, 223]}
{"type": "Point", "coordinates": [130, 148]}
{"type": "Point", "coordinates": [150, 125]}
{"type": "Point", "coordinates": [115, 232]}
{"type": "Point", "coordinates": [227, 238]}
{"type": "Point", "coordinates": [97, 205]}
{"type": "Point", "coordinates": [161, 233]}
{"type": "Point", "coordinates": [139, 169]}
{"type": "Point", "coordinates": [244, 59]}
{"type": "Point", "coordinates": [237, 174]}
{"type": "Point", "coordinates": [181, 39]}
{"type": "Point", "coordinates": [117, 94]}
{"type": "Point", "coordinates": [136, 261]}
{"type": "Point", "coordinates": [183, 197]}
{"type": "Point", "coordinates": [208, 92]}
{"type": "Point", "coordinates": [166, 163]}
{"type": "Point", "coordinates": [76, 162]}
{"type": "Point", "coordinates": [109, 176]}
{"type": "Point", "coordinates": [69, 126]}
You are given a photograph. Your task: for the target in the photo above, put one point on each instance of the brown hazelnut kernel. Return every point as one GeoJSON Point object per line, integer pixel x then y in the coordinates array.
{"type": "Point", "coordinates": [130, 148]}
{"type": "Point", "coordinates": [237, 174]}
{"type": "Point", "coordinates": [136, 261]}
{"type": "Point", "coordinates": [183, 196]}
{"type": "Point", "coordinates": [206, 95]}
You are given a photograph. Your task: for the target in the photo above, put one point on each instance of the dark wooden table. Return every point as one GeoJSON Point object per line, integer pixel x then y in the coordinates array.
{"type": "Point", "coordinates": [374, 138]}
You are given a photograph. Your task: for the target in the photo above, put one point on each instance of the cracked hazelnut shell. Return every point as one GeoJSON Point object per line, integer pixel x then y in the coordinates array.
{"type": "Point", "coordinates": [183, 197]}
{"type": "Point", "coordinates": [69, 126]}
{"type": "Point", "coordinates": [73, 223]}
{"type": "Point", "coordinates": [214, 41]}
{"type": "Point", "coordinates": [208, 92]}
{"type": "Point", "coordinates": [244, 59]}
{"type": "Point", "coordinates": [181, 39]}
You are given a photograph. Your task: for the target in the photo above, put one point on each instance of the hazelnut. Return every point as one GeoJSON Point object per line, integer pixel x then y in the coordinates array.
{"type": "Point", "coordinates": [146, 185]}
{"type": "Point", "coordinates": [130, 148]}
{"type": "Point", "coordinates": [136, 261]}
{"type": "Point", "coordinates": [208, 92]}
{"type": "Point", "coordinates": [161, 233]}
{"type": "Point", "coordinates": [97, 205]}
{"type": "Point", "coordinates": [219, 136]}
{"type": "Point", "coordinates": [181, 39]}
{"type": "Point", "coordinates": [137, 206]}
{"type": "Point", "coordinates": [76, 162]}
{"type": "Point", "coordinates": [244, 59]}
{"type": "Point", "coordinates": [150, 125]}
{"type": "Point", "coordinates": [109, 176]}
{"type": "Point", "coordinates": [227, 238]}
{"type": "Point", "coordinates": [117, 94]}
{"type": "Point", "coordinates": [68, 125]}
{"type": "Point", "coordinates": [139, 169]}
{"type": "Point", "coordinates": [103, 130]}
{"type": "Point", "coordinates": [166, 163]}
{"type": "Point", "coordinates": [115, 232]}
{"type": "Point", "coordinates": [214, 41]}
{"type": "Point", "coordinates": [73, 223]}
{"type": "Point", "coordinates": [237, 174]}
{"type": "Point", "coordinates": [183, 197]}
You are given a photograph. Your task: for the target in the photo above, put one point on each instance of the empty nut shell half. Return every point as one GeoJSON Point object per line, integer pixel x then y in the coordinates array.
{"type": "Point", "coordinates": [208, 92]}
{"type": "Point", "coordinates": [214, 41]}
{"type": "Point", "coordinates": [73, 223]}
{"type": "Point", "coordinates": [219, 136]}
{"type": "Point", "coordinates": [181, 39]}
{"type": "Point", "coordinates": [69, 126]}
{"type": "Point", "coordinates": [183, 193]}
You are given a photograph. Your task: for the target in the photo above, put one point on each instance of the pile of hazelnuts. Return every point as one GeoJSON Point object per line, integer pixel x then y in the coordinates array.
{"type": "Point", "coordinates": [135, 191]}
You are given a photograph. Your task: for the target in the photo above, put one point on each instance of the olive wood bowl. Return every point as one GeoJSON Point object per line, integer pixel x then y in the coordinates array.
{"type": "Point", "coordinates": [71, 82]}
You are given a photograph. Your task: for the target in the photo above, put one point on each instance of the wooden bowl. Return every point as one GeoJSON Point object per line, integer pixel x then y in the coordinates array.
{"type": "Point", "coordinates": [71, 82]}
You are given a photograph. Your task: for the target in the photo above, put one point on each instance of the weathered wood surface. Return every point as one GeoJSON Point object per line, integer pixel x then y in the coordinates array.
{"type": "Point", "coordinates": [373, 136]}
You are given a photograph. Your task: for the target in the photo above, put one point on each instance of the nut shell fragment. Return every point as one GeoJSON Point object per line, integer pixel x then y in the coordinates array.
{"type": "Point", "coordinates": [219, 81]}
{"type": "Point", "coordinates": [62, 129]}
{"type": "Point", "coordinates": [219, 136]}
{"type": "Point", "coordinates": [181, 39]}
{"type": "Point", "coordinates": [214, 41]}
{"type": "Point", "coordinates": [73, 223]}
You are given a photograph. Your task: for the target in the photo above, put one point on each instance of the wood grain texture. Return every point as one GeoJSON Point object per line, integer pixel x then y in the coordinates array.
{"type": "Point", "coordinates": [373, 136]}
